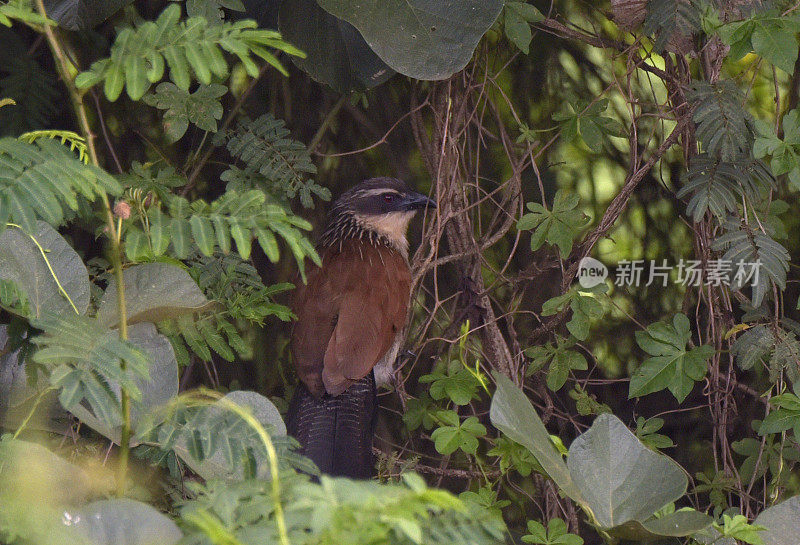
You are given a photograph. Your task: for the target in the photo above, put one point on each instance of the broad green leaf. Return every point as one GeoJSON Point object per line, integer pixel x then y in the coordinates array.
{"type": "Point", "coordinates": [31, 471]}
{"type": "Point", "coordinates": [621, 479]}
{"type": "Point", "coordinates": [685, 522]}
{"type": "Point", "coordinates": [217, 466]}
{"type": "Point", "coordinates": [512, 413]}
{"type": "Point", "coordinates": [671, 366]}
{"type": "Point", "coordinates": [337, 54]}
{"type": "Point", "coordinates": [781, 522]}
{"type": "Point", "coordinates": [121, 521]}
{"type": "Point", "coordinates": [156, 390]}
{"type": "Point", "coordinates": [423, 39]}
{"type": "Point", "coordinates": [153, 292]}
{"type": "Point", "coordinates": [46, 268]}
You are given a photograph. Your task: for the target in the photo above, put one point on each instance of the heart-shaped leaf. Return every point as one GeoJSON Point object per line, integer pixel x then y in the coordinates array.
{"type": "Point", "coordinates": [513, 414]}
{"type": "Point", "coordinates": [122, 521]}
{"type": "Point", "coordinates": [423, 39]}
{"type": "Point", "coordinates": [621, 479]}
{"type": "Point", "coordinates": [46, 268]}
{"type": "Point", "coordinates": [781, 521]}
{"type": "Point", "coordinates": [678, 524]}
{"type": "Point", "coordinates": [156, 391]}
{"type": "Point", "coordinates": [216, 466]}
{"type": "Point", "coordinates": [336, 54]}
{"type": "Point", "coordinates": [153, 292]}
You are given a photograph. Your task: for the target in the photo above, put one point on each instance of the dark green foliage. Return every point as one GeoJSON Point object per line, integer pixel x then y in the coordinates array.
{"type": "Point", "coordinates": [212, 10]}
{"type": "Point", "coordinates": [584, 305]}
{"type": "Point", "coordinates": [274, 162]}
{"type": "Point", "coordinates": [32, 88]}
{"type": "Point", "coordinates": [767, 33]}
{"type": "Point", "coordinates": [671, 364]}
{"type": "Point", "coordinates": [673, 23]}
{"type": "Point", "coordinates": [718, 186]}
{"type": "Point", "coordinates": [742, 243]}
{"type": "Point", "coordinates": [724, 126]}
{"type": "Point", "coordinates": [201, 108]}
{"type": "Point", "coordinates": [82, 14]}
{"type": "Point", "coordinates": [561, 359]}
{"type": "Point", "coordinates": [558, 226]}
{"type": "Point", "coordinates": [84, 360]}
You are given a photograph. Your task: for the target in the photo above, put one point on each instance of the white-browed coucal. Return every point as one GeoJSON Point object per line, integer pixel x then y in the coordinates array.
{"type": "Point", "coordinates": [350, 314]}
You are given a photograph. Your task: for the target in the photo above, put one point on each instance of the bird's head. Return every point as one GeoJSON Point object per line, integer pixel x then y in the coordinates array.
{"type": "Point", "coordinates": [378, 208]}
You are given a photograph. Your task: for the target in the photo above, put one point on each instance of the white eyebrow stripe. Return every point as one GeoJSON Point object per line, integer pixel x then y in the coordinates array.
{"type": "Point", "coordinates": [379, 191]}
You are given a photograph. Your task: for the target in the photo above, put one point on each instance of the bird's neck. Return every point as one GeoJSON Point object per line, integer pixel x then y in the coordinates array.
{"type": "Point", "coordinates": [388, 231]}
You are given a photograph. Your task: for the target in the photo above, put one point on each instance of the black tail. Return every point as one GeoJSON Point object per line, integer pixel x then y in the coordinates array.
{"type": "Point", "coordinates": [336, 432]}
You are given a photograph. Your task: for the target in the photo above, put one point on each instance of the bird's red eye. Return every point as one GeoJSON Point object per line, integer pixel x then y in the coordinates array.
{"type": "Point", "coordinates": [388, 198]}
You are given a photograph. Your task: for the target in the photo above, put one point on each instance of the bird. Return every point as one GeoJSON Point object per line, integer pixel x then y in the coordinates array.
{"type": "Point", "coordinates": [350, 315]}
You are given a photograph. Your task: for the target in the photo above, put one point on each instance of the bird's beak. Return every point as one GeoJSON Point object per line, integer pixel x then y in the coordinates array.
{"type": "Point", "coordinates": [417, 201]}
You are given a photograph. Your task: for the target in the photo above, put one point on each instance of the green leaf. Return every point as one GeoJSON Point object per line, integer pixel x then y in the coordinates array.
{"type": "Point", "coordinates": [46, 269]}
{"type": "Point", "coordinates": [723, 124]}
{"type": "Point", "coordinates": [743, 246]}
{"type": "Point", "coordinates": [153, 292]}
{"type": "Point", "coordinates": [562, 360]}
{"type": "Point", "coordinates": [202, 108]}
{"type": "Point", "coordinates": [558, 226]}
{"type": "Point", "coordinates": [275, 162]}
{"type": "Point", "coordinates": [456, 435]}
{"type": "Point", "coordinates": [517, 29]}
{"type": "Point", "coordinates": [453, 382]}
{"type": "Point", "coordinates": [423, 39]}
{"type": "Point", "coordinates": [621, 479]}
{"type": "Point", "coordinates": [121, 521]}
{"type": "Point", "coordinates": [681, 523]}
{"type": "Point", "coordinates": [780, 522]}
{"type": "Point", "coordinates": [512, 413]}
{"type": "Point", "coordinates": [556, 533]}
{"type": "Point", "coordinates": [337, 54]}
{"type": "Point", "coordinates": [671, 366]}
{"type": "Point", "coordinates": [776, 41]}
{"type": "Point", "coordinates": [82, 14]}
{"type": "Point", "coordinates": [182, 45]}
{"type": "Point", "coordinates": [738, 528]}
{"type": "Point", "coordinates": [41, 180]}
{"type": "Point", "coordinates": [587, 120]}
{"type": "Point", "coordinates": [157, 389]}
{"type": "Point", "coordinates": [584, 305]}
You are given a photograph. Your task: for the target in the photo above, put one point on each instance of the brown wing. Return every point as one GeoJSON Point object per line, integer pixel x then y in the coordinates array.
{"type": "Point", "coordinates": [348, 315]}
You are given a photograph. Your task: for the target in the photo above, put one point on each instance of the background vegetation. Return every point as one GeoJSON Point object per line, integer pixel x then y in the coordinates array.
{"type": "Point", "coordinates": [165, 165]}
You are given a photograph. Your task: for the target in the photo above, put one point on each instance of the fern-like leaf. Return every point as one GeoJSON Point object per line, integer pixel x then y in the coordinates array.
{"type": "Point", "coordinates": [742, 244]}
{"type": "Point", "coordinates": [672, 22]}
{"type": "Point", "coordinates": [38, 180]}
{"type": "Point", "coordinates": [724, 126]}
{"type": "Point", "coordinates": [139, 55]}
{"type": "Point", "coordinates": [275, 162]}
{"type": "Point", "coordinates": [718, 186]}
{"type": "Point", "coordinates": [84, 359]}
{"type": "Point", "coordinates": [241, 217]}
